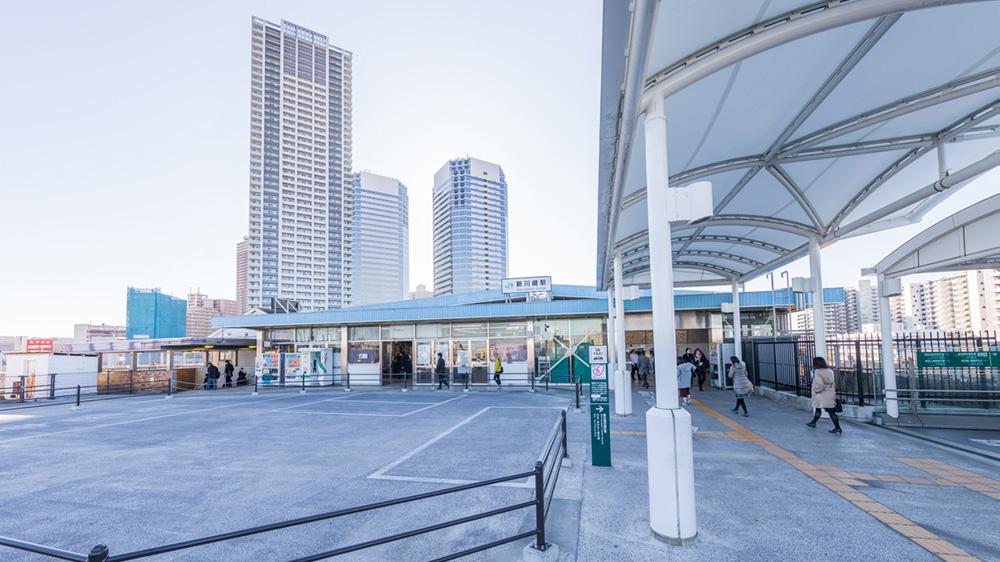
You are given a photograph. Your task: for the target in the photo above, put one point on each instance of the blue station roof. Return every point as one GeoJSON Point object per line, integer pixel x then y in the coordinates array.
{"type": "Point", "coordinates": [568, 300]}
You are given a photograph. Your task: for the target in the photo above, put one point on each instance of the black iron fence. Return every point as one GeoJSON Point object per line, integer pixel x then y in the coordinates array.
{"type": "Point", "coordinates": [545, 475]}
{"type": "Point", "coordinates": [785, 363]}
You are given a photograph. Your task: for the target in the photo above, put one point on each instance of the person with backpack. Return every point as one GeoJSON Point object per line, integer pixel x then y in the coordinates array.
{"type": "Point", "coordinates": [211, 375]}
{"type": "Point", "coordinates": [497, 368]}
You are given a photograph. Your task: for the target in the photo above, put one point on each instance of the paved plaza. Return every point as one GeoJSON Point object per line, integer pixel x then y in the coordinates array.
{"type": "Point", "coordinates": [142, 472]}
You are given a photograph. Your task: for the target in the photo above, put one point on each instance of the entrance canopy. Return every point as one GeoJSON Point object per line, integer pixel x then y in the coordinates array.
{"type": "Point", "coordinates": [813, 120]}
{"type": "Point", "coordinates": [969, 239]}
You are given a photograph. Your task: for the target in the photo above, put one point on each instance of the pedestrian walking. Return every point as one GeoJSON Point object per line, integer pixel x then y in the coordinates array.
{"type": "Point", "coordinates": [685, 370]}
{"type": "Point", "coordinates": [211, 375]}
{"type": "Point", "coordinates": [497, 368]}
{"type": "Point", "coordinates": [634, 358]}
{"type": "Point", "coordinates": [439, 370]}
{"type": "Point", "coordinates": [702, 367]}
{"type": "Point", "coordinates": [689, 354]}
{"type": "Point", "coordinates": [229, 373]}
{"type": "Point", "coordinates": [642, 365]}
{"type": "Point", "coordinates": [824, 394]}
{"type": "Point", "coordinates": [741, 385]}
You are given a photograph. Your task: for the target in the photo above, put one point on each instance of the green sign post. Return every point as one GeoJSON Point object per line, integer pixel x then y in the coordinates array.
{"type": "Point", "coordinates": [958, 359]}
{"type": "Point", "coordinates": [600, 414]}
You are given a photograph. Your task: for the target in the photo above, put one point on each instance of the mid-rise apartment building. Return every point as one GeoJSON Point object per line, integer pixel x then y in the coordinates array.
{"type": "Point", "coordinates": [90, 333]}
{"type": "Point", "coordinates": [300, 168]}
{"type": "Point", "coordinates": [381, 240]}
{"type": "Point", "coordinates": [470, 227]}
{"type": "Point", "coordinates": [201, 310]}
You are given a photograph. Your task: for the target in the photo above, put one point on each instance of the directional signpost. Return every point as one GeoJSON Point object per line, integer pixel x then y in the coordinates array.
{"type": "Point", "coordinates": [958, 359]}
{"type": "Point", "coordinates": [600, 415]}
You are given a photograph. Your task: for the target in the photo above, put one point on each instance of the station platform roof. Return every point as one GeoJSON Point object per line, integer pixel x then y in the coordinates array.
{"type": "Point", "coordinates": [812, 120]}
{"type": "Point", "coordinates": [568, 300]}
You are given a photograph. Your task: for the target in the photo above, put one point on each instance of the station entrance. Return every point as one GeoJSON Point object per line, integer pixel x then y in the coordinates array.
{"type": "Point", "coordinates": [397, 361]}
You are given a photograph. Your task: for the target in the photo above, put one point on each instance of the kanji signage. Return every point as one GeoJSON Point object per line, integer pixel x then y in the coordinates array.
{"type": "Point", "coordinates": [526, 285]}
{"type": "Point", "coordinates": [600, 415]}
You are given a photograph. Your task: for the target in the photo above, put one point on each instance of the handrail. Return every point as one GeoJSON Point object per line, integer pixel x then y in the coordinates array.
{"type": "Point", "coordinates": [545, 478]}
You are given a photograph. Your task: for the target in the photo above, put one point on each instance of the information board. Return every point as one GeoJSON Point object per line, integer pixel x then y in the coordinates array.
{"type": "Point", "coordinates": [958, 359]}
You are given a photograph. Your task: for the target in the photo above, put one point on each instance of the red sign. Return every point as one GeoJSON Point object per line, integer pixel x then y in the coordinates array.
{"type": "Point", "coordinates": [39, 346]}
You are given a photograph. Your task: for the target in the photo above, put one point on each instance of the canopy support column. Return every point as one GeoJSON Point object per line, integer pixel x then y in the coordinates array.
{"type": "Point", "coordinates": [668, 426]}
{"type": "Point", "coordinates": [623, 387]}
{"type": "Point", "coordinates": [887, 358]}
{"type": "Point", "coordinates": [737, 328]}
{"type": "Point", "coordinates": [819, 315]}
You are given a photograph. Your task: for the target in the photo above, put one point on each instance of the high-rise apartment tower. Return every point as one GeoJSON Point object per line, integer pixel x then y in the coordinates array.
{"type": "Point", "coordinates": [470, 227]}
{"type": "Point", "coordinates": [381, 240]}
{"type": "Point", "coordinates": [243, 275]}
{"type": "Point", "coordinates": [300, 168]}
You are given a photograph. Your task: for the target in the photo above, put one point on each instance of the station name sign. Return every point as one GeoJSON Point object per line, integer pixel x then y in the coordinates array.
{"type": "Point", "coordinates": [526, 285]}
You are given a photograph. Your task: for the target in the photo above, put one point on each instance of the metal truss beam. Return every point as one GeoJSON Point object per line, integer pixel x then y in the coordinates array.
{"type": "Point", "coordinates": [730, 240]}
{"type": "Point", "coordinates": [789, 185]}
{"type": "Point", "coordinates": [718, 255]}
{"type": "Point", "coordinates": [754, 221]}
{"type": "Point", "coordinates": [928, 98]}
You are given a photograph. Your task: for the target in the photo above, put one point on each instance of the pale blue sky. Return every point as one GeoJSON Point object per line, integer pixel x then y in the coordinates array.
{"type": "Point", "coordinates": [124, 135]}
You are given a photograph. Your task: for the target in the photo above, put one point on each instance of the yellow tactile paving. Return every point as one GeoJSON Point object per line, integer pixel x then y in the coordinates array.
{"type": "Point", "coordinates": [837, 481]}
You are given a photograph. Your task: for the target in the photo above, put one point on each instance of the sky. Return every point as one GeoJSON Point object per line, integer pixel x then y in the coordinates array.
{"type": "Point", "coordinates": [124, 140]}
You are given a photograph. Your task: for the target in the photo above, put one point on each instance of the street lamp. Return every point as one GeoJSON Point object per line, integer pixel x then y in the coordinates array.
{"type": "Point", "coordinates": [774, 313]}
{"type": "Point", "coordinates": [788, 292]}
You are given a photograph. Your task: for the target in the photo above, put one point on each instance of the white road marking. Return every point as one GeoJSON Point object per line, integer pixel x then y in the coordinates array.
{"type": "Point", "coordinates": [426, 444]}
{"type": "Point", "coordinates": [143, 419]}
{"type": "Point", "coordinates": [432, 405]}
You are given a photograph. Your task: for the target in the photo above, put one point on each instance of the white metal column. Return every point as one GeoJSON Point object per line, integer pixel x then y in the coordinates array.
{"type": "Point", "coordinates": [819, 314]}
{"type": "Point", "coordinates": [888, 359]}
{"type": "Point", "coordinates": [668, 426]}
{"type": "Point", "coordinates": [623, 389]}
{"type": "Point", "coordinates": [737, 325]}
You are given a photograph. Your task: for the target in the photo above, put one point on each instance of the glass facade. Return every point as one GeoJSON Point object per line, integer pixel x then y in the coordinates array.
{"type": "Point", "coordinates": [470, 227]}
{"type": "Point", "coordinates": [381, 240]}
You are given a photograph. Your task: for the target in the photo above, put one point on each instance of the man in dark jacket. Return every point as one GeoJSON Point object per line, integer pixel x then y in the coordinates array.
{"type": "Point", "coordinates": [439, 369]}
{"type": "Point", "coordinates": [211, 375]}
{"type": "Point", "coordinates": [229, 373]}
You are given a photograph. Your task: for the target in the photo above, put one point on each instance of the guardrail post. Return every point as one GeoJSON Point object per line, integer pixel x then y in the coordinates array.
{"type": "Point", "coordinates": [24, 381]}
{"type": "Point", "coordinates": [77, 397]}
{"type": "Point", "coordinates": [52, 386]}
{"type": "Point", "coordinates": [255, 379]}
{"type": "Point", "coordinates": [859, 376]}
{"type": "Point", "coordinates": [562, 414]}
{"type": "Point", "coordinates": [531, 375]}
{"type": "Point", "coordinates": [99, 553]}
{"type": "Point", "coordinates": [540, 543]}
{"type": "Point", "coordinates": [303, 377]}
{"type": "Point", "coordinates": [579, 386]}
{"type": "Point", "coordinates": [348, 389]}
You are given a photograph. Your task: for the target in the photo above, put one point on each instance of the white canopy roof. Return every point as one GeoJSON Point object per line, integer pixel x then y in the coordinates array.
{"type": "Point", "coordinates": [969, 239]}
{"type": "Point", "coordinates": [811, 119]}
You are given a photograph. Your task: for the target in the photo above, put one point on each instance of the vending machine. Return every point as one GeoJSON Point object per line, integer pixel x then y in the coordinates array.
{"type": "Point", "coordinates": [319, 366]}
{"type": "Point", "coordinates": [268, 368]}
{"type": "Point", "coordinates": [295, 370]}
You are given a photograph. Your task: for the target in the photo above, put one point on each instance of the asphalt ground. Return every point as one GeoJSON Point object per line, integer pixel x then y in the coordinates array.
{"type": "Point", "coordinates": [141, 472]}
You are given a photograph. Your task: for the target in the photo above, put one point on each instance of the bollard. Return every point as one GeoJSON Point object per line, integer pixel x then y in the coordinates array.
{"type": "Point", "coordinates": [77, 398]}
{"type": "Point", "coordinates": [303, 391]}
{"type": "Point", "coordinates": [99, 553]}
{"type": "Point", "coordinates": [24, 381]}
{"type": "Point", "coordinates": [578, 387]}
{"type": "Point", "coordinates": [52, 386]}
{"type": "Point", "coordinates": [531, 374]}
{"type": "Point", "coordinates": [348, 389]}
{"type": "Point", "coordinates": [254, 386]}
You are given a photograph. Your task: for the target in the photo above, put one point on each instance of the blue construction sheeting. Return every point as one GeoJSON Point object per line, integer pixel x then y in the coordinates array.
{"type": "Point", "coordinates": [570, 300]}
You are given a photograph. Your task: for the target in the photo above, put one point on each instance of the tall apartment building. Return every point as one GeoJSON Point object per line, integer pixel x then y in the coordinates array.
{"type": "Point", "coordinates": [243, 275]}
{"type": "Point", "coordinates": [834, 316]}
{"type": "Point", "coordinates": [150, 314]}
{"type": "Point", "coordinates": [470, 227]}
{"type": "Point", "coordinates": [380, 239]}
{"type": "Point", "coordinates": [300, 168]}
{"type": "Point", "coordinates": [861, 306]}
{"type": "Point", "coordinates": [90, 333]}
{"type": "Point", "coordinates": [201, 310]}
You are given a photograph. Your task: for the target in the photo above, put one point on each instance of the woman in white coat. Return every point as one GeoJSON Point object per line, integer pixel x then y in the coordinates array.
{"type": "Point", "coordinates": [824, 394]}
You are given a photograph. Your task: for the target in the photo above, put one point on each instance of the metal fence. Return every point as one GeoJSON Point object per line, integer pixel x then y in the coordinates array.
{"type": "Point", "coordinates": [785, 363]}
{"type": "Point", "coordinates": [545, 475]}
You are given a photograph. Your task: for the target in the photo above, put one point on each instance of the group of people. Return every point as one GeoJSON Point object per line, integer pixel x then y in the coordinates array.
{"type": "Point", "coordinates": [212, 375]}
{"type": "Point", "coordinates": [441, 371]}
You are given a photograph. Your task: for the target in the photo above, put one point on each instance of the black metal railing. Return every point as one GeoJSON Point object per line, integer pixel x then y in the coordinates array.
{"type": "Point", "coordinates": [785, 362]}
{"type": "Point", "coordinates": [545, 475]}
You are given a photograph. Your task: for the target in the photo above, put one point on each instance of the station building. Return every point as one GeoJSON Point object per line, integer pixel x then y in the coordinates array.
{"type": "Point", "coordinates": [536, 341]}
